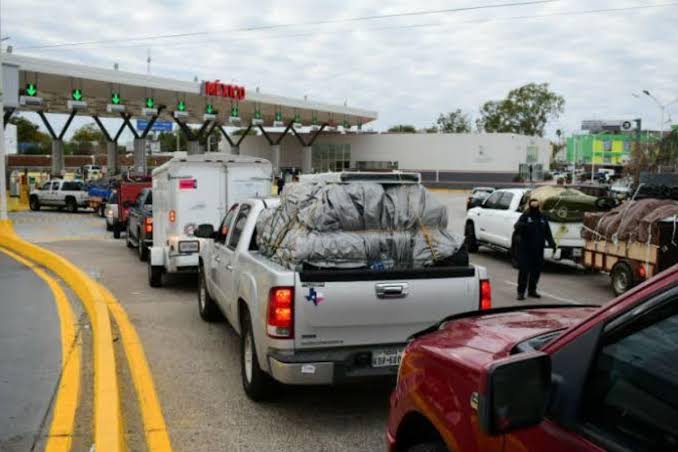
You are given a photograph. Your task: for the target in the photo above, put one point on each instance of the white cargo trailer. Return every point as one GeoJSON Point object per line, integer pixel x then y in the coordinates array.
{"type": "Point", "coordinates": [193, 190]}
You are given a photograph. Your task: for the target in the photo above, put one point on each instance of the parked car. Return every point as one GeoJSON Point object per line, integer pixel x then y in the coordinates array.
{"type": "Point", "coordinates": [545, 378]}
{"type": "Point", "coordinates": [193, 190]}
{"type": "Point", "coordinates": [491, 224]}
{"type": "Point", "coordinates": [128, 191]}
{"type": "Point", "coordinates": [111, 211]}
{"type": "Point", "coordinates": [290, 335]}
{"type": "Point", "coordinates": [140, 223]}
{"type": "Point", "coordinates": [478, 196]}
{"type": "Point", "coordinates": [59, 193]}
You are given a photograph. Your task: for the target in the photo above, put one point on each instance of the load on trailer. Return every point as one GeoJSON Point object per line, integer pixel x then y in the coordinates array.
{"type": "Point", "coordinates": [633, 242]}
{"type": "Point", "coordinates": [193, 190]}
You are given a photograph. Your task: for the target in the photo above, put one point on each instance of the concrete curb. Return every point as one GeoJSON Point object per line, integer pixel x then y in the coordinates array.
{"type": "Point", "coordinates": [108, 429]}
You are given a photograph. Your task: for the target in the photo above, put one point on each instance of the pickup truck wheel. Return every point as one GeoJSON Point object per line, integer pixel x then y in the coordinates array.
{"type": "Point", "coordinates": [71, 205]}
{"type": "Point", "coordinates": [470, 236]}
{"type": "Point", "coordinates": [128, 236]}
{"type": "Point", "coordinates": [258, 384]}
{"type": "Point", "coordinates": [428, 447]}
{"type": "Point", "coordinates": [34, 203]}
{"type": "Point", "coordinates": [143, 251]}
{"type": "Point", "coordinates": [116, 231]}
{"type": "Point", "coordinates": [207, 307]}
{"type": "Point", "coordinates": [154, 275]}
{"type": "Point", "coordinates": [621, 278]}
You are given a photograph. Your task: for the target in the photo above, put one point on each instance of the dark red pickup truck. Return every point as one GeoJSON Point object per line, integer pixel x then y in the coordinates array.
{"type": "Point", "coordinates": [545, 378]}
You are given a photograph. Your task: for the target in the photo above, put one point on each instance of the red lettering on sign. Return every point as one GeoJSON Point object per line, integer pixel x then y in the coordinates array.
{"type": "Point", "coordinates": [219, 89]}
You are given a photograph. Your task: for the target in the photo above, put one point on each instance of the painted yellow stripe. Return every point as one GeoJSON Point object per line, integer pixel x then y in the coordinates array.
{"type": "Point", "coordinates": [108, 431]}
{"type": "Point", "coordinates": [66, 404]}
{"type": "Point", "coordinates": [155, 429]}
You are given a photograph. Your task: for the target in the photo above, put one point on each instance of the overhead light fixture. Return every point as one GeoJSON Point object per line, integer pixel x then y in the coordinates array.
{"type": "Point", "coordinates": [76, 105]}
{"type": "Point", "coordinates": [148, 112]}
{"type": "Point", "coordinates": [115, 108]}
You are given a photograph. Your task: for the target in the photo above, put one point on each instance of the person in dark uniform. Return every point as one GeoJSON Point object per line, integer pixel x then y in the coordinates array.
{"type": "Point", "coordinates": [281, 184]}
{"type": "Point", "coordinates": [534, 231]}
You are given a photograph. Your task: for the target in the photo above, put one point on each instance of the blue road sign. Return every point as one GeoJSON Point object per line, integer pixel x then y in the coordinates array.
{"type": "Point", "coordinates": [158, 126]}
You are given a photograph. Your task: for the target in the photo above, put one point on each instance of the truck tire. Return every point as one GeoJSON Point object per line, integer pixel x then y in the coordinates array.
{"type": "Point", "coordinates": [258, 385]}
{"type": "Point", "coordinates": [470, 237]}
{"type": "Point", "coordinates": [428, 447]}
{"type": "Point", "coordinates": [71, 205]}
{"type": "Point", "coordinates": [621, 278]}
{"type": "Point", "coordinates": [128, 236]}
{"type": "Point", "coordinates": [116, 231]}
{"type": "Point", "coordinates": [34, 203]}
{"type": "Point", "coordinates": [207, 307]}
{"type": "Point", "coordinates": [155, 275]}
{"type": "Point", "coordinates": [143, 250]}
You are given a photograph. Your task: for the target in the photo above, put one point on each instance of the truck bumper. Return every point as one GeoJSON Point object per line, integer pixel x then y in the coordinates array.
{"type": "Point", "coordinates": [321, 367]}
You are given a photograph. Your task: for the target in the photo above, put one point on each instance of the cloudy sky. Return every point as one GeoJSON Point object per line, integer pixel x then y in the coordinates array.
{"type": "Point", "coordinates": [408, 67]}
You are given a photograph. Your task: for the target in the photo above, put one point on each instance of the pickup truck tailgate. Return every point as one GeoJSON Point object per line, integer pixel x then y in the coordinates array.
{"type": "Point", "coordinates": [362, 307]}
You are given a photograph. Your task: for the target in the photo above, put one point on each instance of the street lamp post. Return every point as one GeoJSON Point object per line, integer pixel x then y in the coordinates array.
{"type": "Point", "coordinates": [662, 110]}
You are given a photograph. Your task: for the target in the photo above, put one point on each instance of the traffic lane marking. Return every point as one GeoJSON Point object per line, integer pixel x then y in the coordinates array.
{"type": "Point", "coordinates": [548, 295]}
{"type": "Point", "coordinates": [155, 429]}
{"type": "Point", "coordinates": [66, 403]}
{"type": "Point", "coordinates": [108, 429]}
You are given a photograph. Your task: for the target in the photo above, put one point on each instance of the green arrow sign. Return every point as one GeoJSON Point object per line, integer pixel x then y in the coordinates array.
{"type": "Point", "coordinates": [209, 109]}
{"type": "Point", "coordinates": [297, 117]}
{"type": "Point", "coordinates": [150, 102]}
{"type": "Point", "coordinates": [76, 94]}
{"type": "Point", "coordinates": [115, 98]}
{"type": "Point", "coordinates": [31, 89]}
{"type": "Point", "coordinates": [314, 119]}
{"type": "Point", "coordinates": [257, 114]}
{"type": "Point", "coordinates": [278, 116]}
{"type": "Point", "coordinates": [234, 111]}
{"type": "Point", "coordinates": [181, 106]}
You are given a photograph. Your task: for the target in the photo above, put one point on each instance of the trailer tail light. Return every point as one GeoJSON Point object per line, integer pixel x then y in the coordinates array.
{"type": "Point", "coordinates": [280, 319]}
{"type": "Point", "coordinates": [485, 294]}
{"type": "Point", "coordinates": [148, 225]}
{"type": "Point", "coordinates": [642, 272]}
{"type": "Point", "coordinates": [172, 216]}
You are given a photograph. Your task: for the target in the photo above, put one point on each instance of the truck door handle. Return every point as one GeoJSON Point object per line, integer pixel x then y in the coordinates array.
{"type": "Point", "coordinates": [391, 290]}
{"type": "Point", "coordinates": [229, 267]}
{"type": "Point", "coordinates": [217, 258]}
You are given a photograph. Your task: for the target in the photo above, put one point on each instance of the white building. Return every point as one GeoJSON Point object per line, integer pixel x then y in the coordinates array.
{"type": "Point", "coordinates": [451, 159]}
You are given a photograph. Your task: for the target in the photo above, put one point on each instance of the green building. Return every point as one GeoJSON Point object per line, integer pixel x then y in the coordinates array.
{"type": "Point", "coordinates": [604, 148]}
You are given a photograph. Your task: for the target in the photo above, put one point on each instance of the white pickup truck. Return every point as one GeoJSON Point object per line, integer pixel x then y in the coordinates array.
{"type": "Point", "coordinates": [491, 224]}
{"type": "Point", "coordinates": [59, 193]}
{"type": "Point", "coordinates": [320, 326]}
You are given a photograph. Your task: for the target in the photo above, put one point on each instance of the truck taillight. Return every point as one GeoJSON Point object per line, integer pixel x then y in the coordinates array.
{"type": "Point", "coordinates": [485, 294]}
{"type": "Point", "coordinates": [148, 224]}
{"type": "Point", "coordinates": [280, 319]}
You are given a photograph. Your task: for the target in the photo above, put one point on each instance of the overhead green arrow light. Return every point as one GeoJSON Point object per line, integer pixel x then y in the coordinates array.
{"type": "Point", "coordinates": [234, 111]}
{"type": "Point", "coordinates": [31, 89]}
{"type": "Point", "coordinates": [278, 116]}
{"type": "Point", "coordinates": [115, 98]}
{"type": "Point", "coordinates": [76, 94]}
{"type": "Point", "coordinates": [150, 102]}
{"type": "Point", "coordinates": [257, 114]}
{"type": "Point", "coordinates": [181, 106]}
{"type": "Point", "coordinates": [297, 117]}
{"type": "Point", "coordinates": [314, 119]}
{"type": "Point", "coordinates": [209, 109]}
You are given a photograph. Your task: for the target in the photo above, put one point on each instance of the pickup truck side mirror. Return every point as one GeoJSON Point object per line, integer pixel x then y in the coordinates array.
{"type": "Point", "coordinates": [204, 231]}
{"type": "Point", "coordinates": [516, 393]}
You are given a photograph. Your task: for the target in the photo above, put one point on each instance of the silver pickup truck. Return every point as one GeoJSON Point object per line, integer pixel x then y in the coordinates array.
{"type": "Point", "coordinates": [320, 326]}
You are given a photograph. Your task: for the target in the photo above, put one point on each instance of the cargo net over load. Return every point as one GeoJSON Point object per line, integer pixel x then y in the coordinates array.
{"type": "Point", "coordinates": [358, 225]}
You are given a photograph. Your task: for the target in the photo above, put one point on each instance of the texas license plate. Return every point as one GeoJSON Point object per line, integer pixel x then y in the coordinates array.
{"type": "Point", "coordinates": [386, 358]}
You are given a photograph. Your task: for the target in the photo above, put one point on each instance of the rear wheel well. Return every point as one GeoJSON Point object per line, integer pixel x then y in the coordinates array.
{"type": "Point", "coordinates": [416, 429]}
{"type": "Point", "coordinates": [242, 309]}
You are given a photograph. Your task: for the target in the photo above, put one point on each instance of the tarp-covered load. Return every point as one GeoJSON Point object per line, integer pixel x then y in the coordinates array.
{"type": "Point", "coordinates": [564, 205]}
{"type": "Point", "coordinates": [633, 221]}
{"type": "Point", "coordinates": [358, 225]}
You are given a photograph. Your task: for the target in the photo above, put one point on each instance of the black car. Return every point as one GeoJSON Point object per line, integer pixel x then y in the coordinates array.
{"type": "Point", "coordinates": [478, 196]}
{"type": "Point", "coordinates": [140, 223]}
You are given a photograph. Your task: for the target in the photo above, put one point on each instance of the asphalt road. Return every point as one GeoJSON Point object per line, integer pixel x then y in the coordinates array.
{"type": "Point", "coordinates": [196, 365]}
{"type": "Point", "coordinates": [30, 355]}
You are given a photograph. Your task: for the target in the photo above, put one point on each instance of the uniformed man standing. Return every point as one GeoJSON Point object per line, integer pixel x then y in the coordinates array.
{"type": "Point", "coordinates": [534, 231]}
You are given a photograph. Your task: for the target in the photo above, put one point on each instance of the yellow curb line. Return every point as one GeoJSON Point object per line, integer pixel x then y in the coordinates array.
{"type": "Point", "coordinates": [155, 429]}
{"type": "Point", "coordinates": [66, 404]}
{"type": "Point", "coordinates": [108, 431]}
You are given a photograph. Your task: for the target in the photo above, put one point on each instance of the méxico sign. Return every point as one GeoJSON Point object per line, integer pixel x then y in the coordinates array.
{"type": "Point", "coordinates": [219, 89]}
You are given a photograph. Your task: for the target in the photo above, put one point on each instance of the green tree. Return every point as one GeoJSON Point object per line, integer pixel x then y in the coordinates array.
{"type": "Point", "coordinates": [403, 128]}
{"type": "Point", "coordinates": [454, 122]}
{"type": "Point", "coordinates": [526, 110]}
{"type": "Point", "coordinates": [168, 141]}
{"type": "Point", "coordinates": [87, 139]}
{"type": "Point", "coordinates": [30, 138]}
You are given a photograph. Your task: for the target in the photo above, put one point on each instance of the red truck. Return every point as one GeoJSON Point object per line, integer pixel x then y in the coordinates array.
{"type": "Point", "coordinates": [128, 191]}
{"type": "Point", "coordinates": [545, 378]}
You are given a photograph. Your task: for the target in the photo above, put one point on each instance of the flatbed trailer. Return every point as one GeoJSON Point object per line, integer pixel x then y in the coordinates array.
{"type": "Point", "coordinates": [630, 263]}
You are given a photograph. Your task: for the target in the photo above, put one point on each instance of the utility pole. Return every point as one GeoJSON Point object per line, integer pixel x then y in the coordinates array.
{"type": "Point", "coordinates": [3, 172]}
